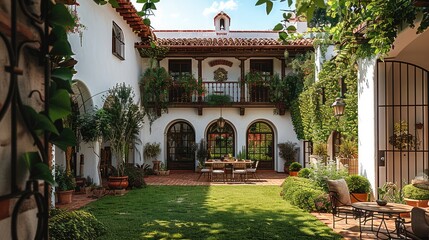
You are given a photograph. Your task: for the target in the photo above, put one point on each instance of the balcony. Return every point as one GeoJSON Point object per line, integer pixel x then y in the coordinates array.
{"type": "Point", "coordinates": [240, 94]}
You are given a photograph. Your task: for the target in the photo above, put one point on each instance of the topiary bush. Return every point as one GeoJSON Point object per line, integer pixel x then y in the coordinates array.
{"type": "Point", "coordinates": [77, 225]}
{"type": "Point", "coordinates": [301, 192]}
{"type": "Point", "coordinates": [295, 167]}
{"type": "Point", "coordinates": [304, 173]}
{"type": "Point", "coordinates": [358, 184]}
{"type": "Point", "coordinates": [412, 192]}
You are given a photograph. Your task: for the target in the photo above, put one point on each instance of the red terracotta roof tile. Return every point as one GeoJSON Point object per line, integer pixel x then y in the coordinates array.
{"type": "Point", "coordinates": [129, 14]}
{"type": "Point", "coordinates": [229, 42]}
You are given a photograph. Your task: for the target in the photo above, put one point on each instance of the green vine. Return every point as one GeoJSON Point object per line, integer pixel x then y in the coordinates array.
{"type": "Point", "coordinates": [154, 87]}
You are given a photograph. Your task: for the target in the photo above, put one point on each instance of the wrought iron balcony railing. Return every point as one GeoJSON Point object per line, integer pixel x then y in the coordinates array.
{"type": "Point", "coordinates": [238, 93]}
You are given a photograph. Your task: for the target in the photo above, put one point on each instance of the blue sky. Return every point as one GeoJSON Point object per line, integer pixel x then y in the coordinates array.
{"type": "Point", "coordinates": [198, 14]}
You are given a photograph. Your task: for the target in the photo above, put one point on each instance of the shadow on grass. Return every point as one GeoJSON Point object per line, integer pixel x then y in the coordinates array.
{"type": "Point", "coordinates": [206, 212]}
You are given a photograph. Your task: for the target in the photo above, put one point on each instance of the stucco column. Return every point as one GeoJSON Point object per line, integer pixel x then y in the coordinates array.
{"type": "Point", "coordinates": [367, 119]}
{"type": "Point", "coordinates": [200, 73]}
{"type": "Point", "coordinates": [242, 75]}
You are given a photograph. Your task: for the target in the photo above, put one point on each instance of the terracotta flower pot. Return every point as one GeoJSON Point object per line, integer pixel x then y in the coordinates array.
{"type": "Point", "coordinates": [361, 197]}
{"type": "Point", "coordinates": [293, 173]}
{"type": "Point", "coordinates": [118, 182]}
{"type": "Point", "coordinates": [65, 197]}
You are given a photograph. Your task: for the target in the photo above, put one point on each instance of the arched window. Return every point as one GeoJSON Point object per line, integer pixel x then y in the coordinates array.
{"type": "Point", "coordinates": [220, 142]}
{"type": "Point", "coordinates": [260, 144]}
{"type": "Point", "coordinates": [180, 141]}
{"type": "Point", "coordinates": [222, 24]}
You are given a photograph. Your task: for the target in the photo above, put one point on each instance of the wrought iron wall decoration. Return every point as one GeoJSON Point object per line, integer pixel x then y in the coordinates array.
{"type": "Point", "coordinates": [27, 71]}
{"type": "Point", "coordinates": [220, 75]}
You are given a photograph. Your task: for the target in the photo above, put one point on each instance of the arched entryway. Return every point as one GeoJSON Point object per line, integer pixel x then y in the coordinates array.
{"type": "Point", "coordinates": [260, 144]}
{"type": "Point", "coordinates": [220, 141]}
{"type": "Point", "coordinates": [180, 142]}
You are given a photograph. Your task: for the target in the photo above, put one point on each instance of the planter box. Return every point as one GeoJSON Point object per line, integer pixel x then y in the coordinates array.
{"type": "Point", "coordinates": [164, 173]}
{"type": "Point", "coordinates": [65, 197]}
{"type": "Point", "coordinates": [361, 197]}
{"type": "Point", "coordinates": [417, 203]}
{"type": "Point", "coordinates": [118, 182]}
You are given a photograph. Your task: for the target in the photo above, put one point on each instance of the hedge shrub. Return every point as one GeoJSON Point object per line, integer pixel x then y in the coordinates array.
{"type": "Point", "coordinates": [304, 173]}
{"type": "Point", "coordinates": [301, 192]}
{"type": "Point", "coordinates": [77, 225]}
{"type": "Point", "coordinates": [415, 193]}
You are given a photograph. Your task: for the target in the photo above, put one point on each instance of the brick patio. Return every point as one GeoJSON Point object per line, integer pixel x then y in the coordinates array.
{"type": "Point", "coordinates": [188, 178]}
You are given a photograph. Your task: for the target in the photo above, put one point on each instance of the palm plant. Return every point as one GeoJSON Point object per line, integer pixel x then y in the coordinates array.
{"type": "Point", "coordinates": [124, 120]}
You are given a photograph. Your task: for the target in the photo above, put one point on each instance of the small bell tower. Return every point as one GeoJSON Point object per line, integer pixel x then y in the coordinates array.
{"type": "Point", "coordinates": [222, 22]}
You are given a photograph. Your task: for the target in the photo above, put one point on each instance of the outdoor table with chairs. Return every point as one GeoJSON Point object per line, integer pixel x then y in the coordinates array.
{"type": "Point", "coordinates": [229, 169]}
{"type": "Point", "coordinates": [391, 211]}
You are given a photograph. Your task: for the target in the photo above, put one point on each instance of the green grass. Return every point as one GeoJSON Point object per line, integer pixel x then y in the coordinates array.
{"type": "Point", "coordinates": [206, 212]}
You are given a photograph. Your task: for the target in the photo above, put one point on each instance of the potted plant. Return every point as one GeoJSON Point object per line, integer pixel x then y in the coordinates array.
{"type": "Point", "coordinates": [319, 152]}
{"type": "Point", "coordinates": [202, 154]}
{"type": "Point", "coordinates": [294, 168]}
{"type": "Point", "coordinates": [151, 151]}
{"type": "Point", "coordinates": [278, 93]}
{"type": "Point", "coordinates": [65, 185]}
{"type": "Point", "coordinates": [414, 196]}
{"type": "Point", "coordinates": [359, 187]}
{"type": "Point", "coordinates": [155, 85]}
{"type": "Point", "coordinates": [163, 170]}
{"type": "Point", "coordinates": [123, 122]}
{"type": "Point", "coordinates": [257, 84]}
{"type": "Point", "coordinates": [402, 139]}
{"type": "Point", "coordinates": [188, 85]}
{"type": "Point", "coordinates": [287, 151]}
{"type": "Point", "coordinates": [347, 155]}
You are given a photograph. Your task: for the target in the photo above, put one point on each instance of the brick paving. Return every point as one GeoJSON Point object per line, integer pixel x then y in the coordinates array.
{"type": "Point", "coordinates": [188, 178]}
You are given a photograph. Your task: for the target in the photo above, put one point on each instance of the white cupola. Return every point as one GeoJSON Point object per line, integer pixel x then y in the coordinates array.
{"type": "Point", "coordinates": [222, 22]}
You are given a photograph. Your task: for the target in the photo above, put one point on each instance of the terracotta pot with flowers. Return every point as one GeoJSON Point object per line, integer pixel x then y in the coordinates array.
{"type": "Point", "coordinates": [416, 197]}
{"type": "Point", "coordinates": [151, 151]}
{"type": "Point", "coordinates": [124, 120]}
{"type": "Point", "coordinates": [359, 188]}
{"type": "Point", "coordinates": [287, 151]}
{"type": "Point", "coordinates": [65, 185]}
{"type": "Point", "coordinates": [294, 168]}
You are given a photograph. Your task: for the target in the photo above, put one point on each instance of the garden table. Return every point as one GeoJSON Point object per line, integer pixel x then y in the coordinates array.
{"type": "Point", "coordinates": [228, 163]}
{"type": "Point", "coordinates": [383, 213]}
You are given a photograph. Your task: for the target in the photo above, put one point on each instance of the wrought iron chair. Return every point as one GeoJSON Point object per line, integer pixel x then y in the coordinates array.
{"type": "Point", "coordinates": [206, 171]}
{"type": "Point", "coordinates": [419, 228]}
{"type": "Point", "coordinates": [240, 170]}
{"type": "Point", "coordinates": [218, 169]}
{"type": "Point", "coordinates": [252, 171]}
{"type": "Point", "coordinates": [341, 203]}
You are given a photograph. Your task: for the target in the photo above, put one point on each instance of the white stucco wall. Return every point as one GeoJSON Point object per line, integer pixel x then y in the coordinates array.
{"type": "Point", "coordinates": [282, 126]}
{"type": "Point", "coordinates": [366, 119]}
{"type": "Point", "coordinates": [99, 69]}
{"type": "Point", "coordinates": [321, 57]}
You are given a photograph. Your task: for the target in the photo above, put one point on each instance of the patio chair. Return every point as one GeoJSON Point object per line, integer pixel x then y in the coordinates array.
{"type": "Point", "coordinates": [252, 171]}
{"type": "Point", "coordinates": [206, 171]}
{"type": "Point", "coordinates": [339, 196]}
{"type": "Point", "coordinates": [240, 170]}
{"type": "Point", "coordinates": [419, 225]}
{"type": "Point", "coordinates": [218, 169]}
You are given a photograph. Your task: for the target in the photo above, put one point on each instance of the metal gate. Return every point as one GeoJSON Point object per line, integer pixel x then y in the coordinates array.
{"type": "Point", "coordinates": [402, 122]}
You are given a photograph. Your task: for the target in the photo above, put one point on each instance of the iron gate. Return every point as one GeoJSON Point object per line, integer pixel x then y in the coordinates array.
{"type": "Point", "coordinates": [402, 122]}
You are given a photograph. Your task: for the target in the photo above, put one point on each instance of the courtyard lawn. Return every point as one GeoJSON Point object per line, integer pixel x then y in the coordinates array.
{"type": "Point", "coordinates": [206, 212]}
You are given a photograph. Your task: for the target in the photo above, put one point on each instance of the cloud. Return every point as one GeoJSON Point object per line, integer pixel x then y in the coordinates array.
{"type": "Point", "coordinates": [220, 6]}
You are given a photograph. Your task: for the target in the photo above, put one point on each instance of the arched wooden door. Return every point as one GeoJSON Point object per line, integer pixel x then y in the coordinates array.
{"type": "Point", "coordinates": [180, 141]}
